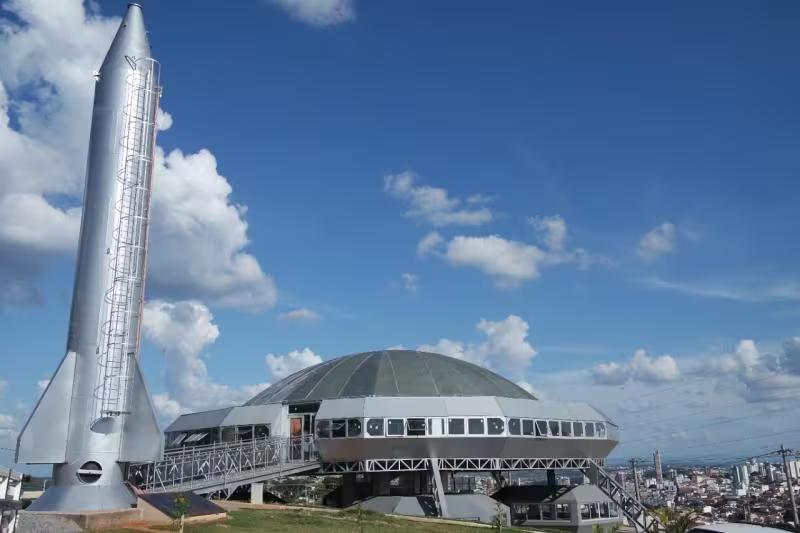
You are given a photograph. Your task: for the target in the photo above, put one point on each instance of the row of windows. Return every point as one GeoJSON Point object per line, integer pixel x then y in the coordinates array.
{"type": "Point", "coordinates": [440, 426]}
{"type": "Point", "coordinates": [202, 437]}
{"type": "Point", "coordinates": [561, 511]}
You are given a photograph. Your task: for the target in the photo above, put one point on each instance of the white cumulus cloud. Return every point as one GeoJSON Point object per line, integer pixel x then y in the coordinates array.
{"type": "Point", "coordinates": [641, 367]}
{"type": "Point", "coordinates": [319, 13]}
{"type": "Point", "coordinates": [553, 230]}
{"type": "Point", "coordinates": [182, 331]}
{"type": "Point", "coordinates": [433, 205]}
{"type": "Point", "coordinates": [429, 244]}
{"type": "Point", "coordinates": [505, 347]}
{"type": "Point", "coordinates": [508, 262]}
{"type": "Point", "coordinates": [281, 366]}
{"type": "Point", "coordinates": [302, 314]}
{"type": "Point", "coordinates": [658, 241]}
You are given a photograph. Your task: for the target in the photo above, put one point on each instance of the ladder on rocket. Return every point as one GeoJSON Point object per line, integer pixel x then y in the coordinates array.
{"type": "Point", "coordinates": [128, 248]}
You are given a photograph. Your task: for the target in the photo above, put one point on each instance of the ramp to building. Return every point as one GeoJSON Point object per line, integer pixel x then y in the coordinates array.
{"type": "Point", "coordinates": [224, 467]}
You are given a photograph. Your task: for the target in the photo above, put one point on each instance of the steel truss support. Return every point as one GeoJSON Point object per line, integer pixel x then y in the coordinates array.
{"type": "Point", "coordinates": [460, 464]}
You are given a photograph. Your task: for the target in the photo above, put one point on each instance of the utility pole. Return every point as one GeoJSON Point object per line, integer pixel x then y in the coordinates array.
{"type": "Point", "coordinates": [784, 452]}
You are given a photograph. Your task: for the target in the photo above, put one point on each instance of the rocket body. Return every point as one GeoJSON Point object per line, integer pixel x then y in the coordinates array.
{"type": "Point", "coordinates": [96, 414]}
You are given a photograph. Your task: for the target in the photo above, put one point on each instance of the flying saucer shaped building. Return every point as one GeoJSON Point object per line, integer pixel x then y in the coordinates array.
{"type": "Point", "coordinates": [384, 411]}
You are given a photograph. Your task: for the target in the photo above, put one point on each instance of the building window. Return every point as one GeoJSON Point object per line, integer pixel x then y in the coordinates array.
{"type": "Point", "coordinates": [513, 426]}
{"type": "Point", "coordinates": [245, 432]}
{"type": "Point", "coordinates": [566, 429]}
{"type": "Point", "coordinates": [589, 428]}
{"type": "Point", "coordinates": [323, 429]}
{"type": "Point", "coordinates": [527, 427]}
{"type": "Point", "coordinates": [614, 510]}
{"type": "Point", "coordinates": [541, 428]}
{"type": "Point", "coordinates": [601, 430]}
{"type": "Point", "coordinates": [604, 513]}
{"type": "Point", "coordinates": [455, 426]}
{"type": "Point", "coordinates": [262, 431]}
{"type": "Point", "coordinates": [353, 427]}
{"type": "Point", "coordinates": [495, 425]}
{"type": "Point", "coordinates": [548, 511]}
{"type": "Point", "coordinates": [415, 427]}
{"type": "Point", "coordinates": [577, 429]}
{"type": "Point", "coordinates": [562, 511]}
{"type": "Point", "coordinates": [395, 427]}
{"type": "Point", "coordinates": [476, 426]}
{"type": "Point", "coordinates": [436, 427]}
{"type": "Point", "coordinates": [585, 513]}
{"type": "Point", "coordinates": [338, 429]}
{"type": "Point", "coordinates": [553, 425]}
{"type": "Point", "coordinates": [375, 427]}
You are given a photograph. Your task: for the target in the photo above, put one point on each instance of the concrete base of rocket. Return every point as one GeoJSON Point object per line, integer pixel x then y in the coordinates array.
{"type": "Point", "coordinates": [76, 498]}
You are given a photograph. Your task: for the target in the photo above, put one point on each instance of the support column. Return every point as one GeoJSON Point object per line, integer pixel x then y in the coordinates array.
{"type": "Point", "coordinates": [257, 493]}
{"type": "Point", "coordinates": [348, 489]}
{"type": "Point", "coordinates": [551, 478]}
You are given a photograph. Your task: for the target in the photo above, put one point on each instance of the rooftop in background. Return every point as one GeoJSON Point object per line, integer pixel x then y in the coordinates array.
{"type": "Point", "coordinates": [389, 373]}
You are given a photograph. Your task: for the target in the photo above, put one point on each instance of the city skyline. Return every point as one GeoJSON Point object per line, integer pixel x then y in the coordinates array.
{"type": "Point", "coordinates": [594, 220]}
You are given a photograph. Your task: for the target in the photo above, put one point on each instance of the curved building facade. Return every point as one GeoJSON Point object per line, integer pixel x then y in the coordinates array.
{"type": "Point", "coordinates": [401, 404]}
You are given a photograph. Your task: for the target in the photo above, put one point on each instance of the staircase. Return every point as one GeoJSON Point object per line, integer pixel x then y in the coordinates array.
{"type": "Point", "coordinates": [205, 469]}
{"type": "Point", "coordinates": [438, 490]}
{"type": "Point", "coordinates": [634, 510]}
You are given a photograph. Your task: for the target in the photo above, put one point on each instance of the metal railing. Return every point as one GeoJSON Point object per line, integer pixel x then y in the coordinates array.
{"type": "Point", "coordinates": [225, 466]}
{"type": "Point", "coordinates": [635, 510]}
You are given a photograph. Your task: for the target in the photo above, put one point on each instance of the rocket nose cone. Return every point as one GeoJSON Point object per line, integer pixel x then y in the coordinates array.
{"type": "Point", "coordinates": [131, 38]}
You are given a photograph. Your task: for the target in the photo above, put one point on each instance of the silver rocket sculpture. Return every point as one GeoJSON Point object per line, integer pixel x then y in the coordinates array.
{"type": "Point", "coordinates": [96, 414]}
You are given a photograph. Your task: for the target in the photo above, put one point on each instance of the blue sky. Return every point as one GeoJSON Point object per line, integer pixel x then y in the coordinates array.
{"type": "Point", "coordinates": [600, 178]}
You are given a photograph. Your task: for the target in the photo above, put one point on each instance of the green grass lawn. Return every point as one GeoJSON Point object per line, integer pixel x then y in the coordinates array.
{"type": "Point", "coordinates": [310, 521]}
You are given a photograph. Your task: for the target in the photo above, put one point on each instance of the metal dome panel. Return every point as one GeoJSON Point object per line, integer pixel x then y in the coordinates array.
{"type": "Point", "coordinates": [389, 373]}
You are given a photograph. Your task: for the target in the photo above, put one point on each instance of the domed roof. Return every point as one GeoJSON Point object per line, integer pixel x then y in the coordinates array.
{"type": "Point", "coordinates": [389, 373]}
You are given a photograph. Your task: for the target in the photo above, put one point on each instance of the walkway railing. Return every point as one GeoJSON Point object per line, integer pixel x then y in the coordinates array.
{"type": "Point", "coordinates": [225, 466]}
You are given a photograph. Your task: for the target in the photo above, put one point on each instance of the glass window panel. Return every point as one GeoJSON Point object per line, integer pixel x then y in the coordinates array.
{"type": "Point", "coordinates": [562, 511]}
{"type": "Point", "coordinates": [601, 430]}
{"type": "Point", "coordinates": [323, 429]}
{"type": "Point", "coordinates": [541, 428]}
{"type": "Point", "coordinates": [395, 427]}
{"type": "Point", "coordinates": [589, 428]}
{"type": "Point", "coordinates": [554, 428]}
{"type": "Point", "coordinates": [476, 426]}
{"type": "Point", "coordinates": [548, 511]}
{"type": "Point", "coordinates": [375, 427]}
{"type": "Point", "coordinates": [229, 434]}
{"type": "Point", "coordinates": [595, 512]}
{"type": "Point", "coordinates": [455, 426]}
{"type": "Point", "coordinates": [338, 428]}
{"type": "Point", "coordinates": [614, 509]}
{"type": "Point", "coordinates": [585, 513]}
{"type": "Point", "coordinates": [604, 513]}
{"type": "Point", "coordinates": [514, 426]}
{"type": "Point", "coordinates": [527, 427]}
{"type": "Point", "coordinates": [353, 427]}
{"type": "Point", "coordinates": [577, 429]}
{"type": "Point", "coordinates": [262, 431]}
{"type": "Point", "coordinates": [496, 426]}
{"type": "Point", "coordinates": [415, 427]}
{"type": "Point", "coordinates": [566, 429]}
{"type": "Point", "coordinates": [534, 512]}
{"type": "Point", "coordinates": [245, 432]}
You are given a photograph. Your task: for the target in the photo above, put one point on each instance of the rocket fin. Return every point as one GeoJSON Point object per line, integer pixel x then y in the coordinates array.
{"type": "Point", "coordinates": [44, 437]}
{"type": "Point", "coordinates": [141, 437]}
